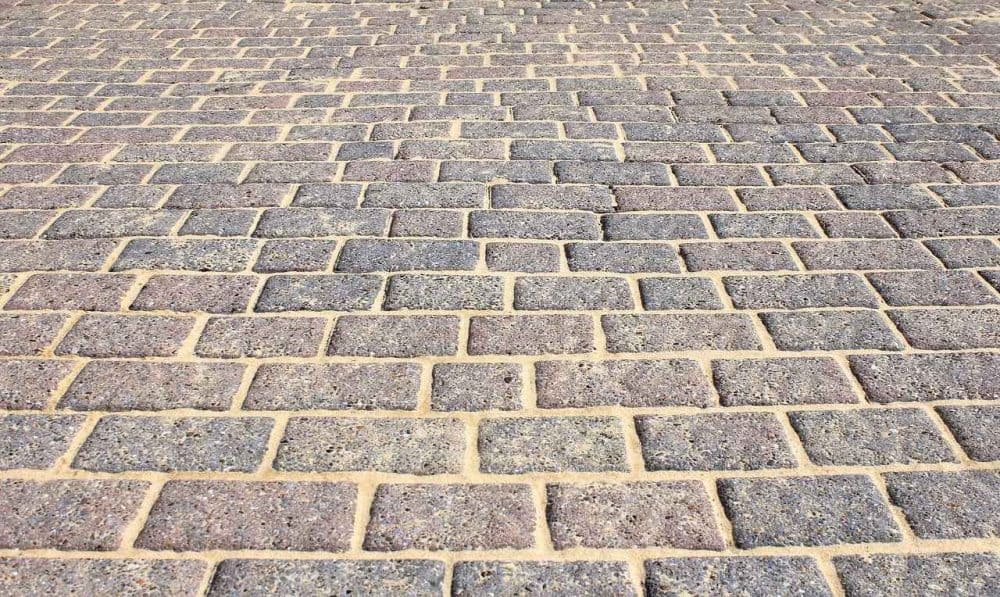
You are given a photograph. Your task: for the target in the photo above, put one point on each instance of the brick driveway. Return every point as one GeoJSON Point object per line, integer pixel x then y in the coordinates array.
{"type": "Point", "coordinates": [500, 297]}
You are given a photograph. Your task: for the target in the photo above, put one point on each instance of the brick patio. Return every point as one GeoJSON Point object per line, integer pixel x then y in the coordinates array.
{"type": "Point", "coordinates": [486, 297]}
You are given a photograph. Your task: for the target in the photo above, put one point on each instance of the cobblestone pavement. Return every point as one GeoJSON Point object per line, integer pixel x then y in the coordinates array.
{"type": "Point", "coordinates": [490, 297]}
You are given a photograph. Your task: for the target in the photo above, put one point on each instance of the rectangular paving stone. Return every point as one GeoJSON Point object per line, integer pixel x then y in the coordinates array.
{"type": "Point", "coordinates": [622, 257]}
{"type": "Point", "coordinates": [927, 288]}
{"type": "Point", "coordinates": [954, 221]}
{"type": "Point", "coordinates": [943, 329]}
{"type": "Point", "coordinates": [530, 334]}
{"type": "Point", "coordinates": [112, 223]}
{"type": "Point", "coordinates": [806, 511]}
{"type": "Point", "coordinates": [476, 386]}
{"type": "Point", "coordinates": [236, 337]}
{"type": "Point", "coordinates": [433, 194]}
{"type": "Point", "coordinates": [665, 294]}
{"type": "Point", "coordinates": [138, 385]}
{"type": "Point", "coordinates": [35, 441]}
{"type": "Point", "coordinates": [30, 384]}
{"type": "Point", "coordinates": [227, 195]}
{"type": "Point", "coordinates": [757, 575]}
{"type": "Point", "coordinates": [829, 330]}
{"type": "Point", "coordinates": [68, 514]}
{"type": "Point", "coordinates": [948, 505]}
{"type": "Point", "coordinates": [965, 252]}
{"type": "Point", "coordinates": [799, 291]}
{"type": "Point", "coordinates": [280, 222]}
{"type": "Point", "coordinates": [596, 198]}
{"type": "Point", "coordinates": [278, 515]}
{"type": "Point", "coordinates": [522, 257]}
{"type": "Point", "coordinates": [976, 428]}
{"type": "Point", "coordinates": [289, 255]}
{"type": "Point", "coordinates": [552, 578]}
{"type": "Point", "coordinates": [935, 574]}
{"type": "Point", "coordinates": [631, 383]}
{"type": "Point", "coordinates": [385, 255]}
{"type": "Point", "coordinates": [716, 441]}
{"type": "Point", "coordinates": [545, 225]}
{"type": "Point", "coordinates": [334, 386]}
{"type": "Point", "coordinates": [559, 444]}
{"type": "Point", "coordinates": [571, 293]}
{"type": "Point", "coordinates": [103, 336]}
{"type": "Point", "coordinates": [336, 292]}
{"type": "Point", "coordinates": [360, 577]}
{"type": "Point", "coordinates": [737, 256]}
{"type": "Point", "coordinates": [673, 514]}
{"type": "Point", "coordinates": [86, 292]}
{"type": "Point", "coordinates": [90, 576]}
{"type": "Point", "coordinates": [444, 292]}
{"type": "Point", "coordinates": [439, 223]}
{"type": "Point", "coordinates": [394, 336]}
{"type": "Point", "coordinates": [924, 377]}
{"type": "Point", "coordinates": [450, 517]}
{"type": "Point", "coordinates": [404, 446]}
{"type": "Point", "coordinates": [196, 292]}
{"type": "Point", "coordinates": [28, 335]}
{"type": "Point", "coordinates": [213, 255]}
{"type": "Point", "coordinates": [870, 437]}
{"type": "Point", "coordinates": [127, 443]}
{"type": "Point", "coordinates": [868, 254]}
{"type": "Point", "coordinates": [636, 226]}
{"type": "Point", "coordinates": [49, 255]}
{"type": "Point", "coordinates": [682, 331]}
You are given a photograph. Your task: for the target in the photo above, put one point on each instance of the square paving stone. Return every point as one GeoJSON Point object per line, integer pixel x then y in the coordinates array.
{"type": "Point", "coordinates": [451, 517]}
{"type": "Point", "coordinates": [630, 383]}
{"type": "Point", "coordinates": [558, 579]}
{"type": "Point", "coordinates": [829, 330]}
{"type": "Point", "coordinates": [35, 441]}
{"type": "Point", "coordinates": [870, 437]}
{"type": "Point", "coordinates": [187, 293]}
{"type": "Point", "coordinates": [716, 441]}
{"type": "Point", "coordinates": [334, 386]}
{"type": "Point", "coordinates": [30, 384]}
{"type": "Point", "coordinates": [931, 575]}
{"type": "Point", "coordinates": [28, 335]}
{"type": "Point", "coordinates": [560, 444]}
{"type": "Point", "coordinates": [976, 428]}
{"type": "Point", "coordinates": [333, 292]}
{"type": "Point", "coordinates": [85, 292]}
{"type": "Point", "coordinates": [948, 505]}
{"type": "Point", "coordinates": [531, 334]}
{"type": "Point", "coordinates": [807, 511]}
{"type": "Point", "coordinates": [405, 446]}
{"type": "Point", "coordinates": [924, 377]}
{"type": "Point", "coordinates": [104, 336]}
{"type": "Point", "coordinates": [629, 515]}
{"type": "Point", "coordinates": [86, 515]}
{"type": "Point", "coordinates": [136, 385]}
{"type": "Point", "coordinates": [393, 336]}
{"type": "Point", "coordinates": [755, 575]}
{"type": "Point", "coordinates": [328, 577]}
{"type": "Point", "coordinates": [168, 444]}
{"type": "Point", "coordinates": [235, 337]}
{"type": "Point", "coordinates": [677, 332]}
{"type": "Point", "coordinates": [443, 292]}
{"type": "Point", "coordinates": [202, 515]}
{"type": "Point", "coordinates": [476, 386]}
{"type": "Point", "coordinates": [88, 576]}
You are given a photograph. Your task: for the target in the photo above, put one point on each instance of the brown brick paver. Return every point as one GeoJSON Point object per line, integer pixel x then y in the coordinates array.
{"type": "Point", "coordinates": [435, 297]}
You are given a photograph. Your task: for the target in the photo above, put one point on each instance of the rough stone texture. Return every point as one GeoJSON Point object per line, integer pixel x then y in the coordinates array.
{"type": "Point", "coordinates": [35, 441]}
{"type": "Point", "coordinates": [476, 386]}
{"type": "Point", "coordinates": [126, 336]}
{"type": "Point", "coordinates": [630, 383]}
{"type": "Point", "coordinates": [948, 505]}
{"type": "Point", "coordinates": [406, 446]}
{"type": "Point", "coordinates": [120, 443]}
{"type": "Point", "coordinates": [658, 333]}
{"type": "Point", "coordinates": [829, 330]}
{"type": "Point", "coordinates": [768, 382]}
{"type": "Point", "coordinates": [200, 515]}
{"type": "Point", "coordinates": [644, 514]}
{"type": "Point", "coordinates": [799, 292]}
{"type": "Point", "coordinates": [67, 514]}
{"type": "Point", "coordinates": [50, 576]}
{"type": "Point", "coordinates": [86, 292]}
{"type": "Point", "coordinates": [562, 579]}
{"type": "Point", "coordinates": [338, 292]}
{"type": "Point", "coordinates": [30, 384]}
{"type": "Point", "coordinates": [522, 445]}
{"type": "Point", "coordinates": [388, 336]}
{"type": "Point", "coordinates": [133, 385]}
{"type": "Point", "coordinates": [212, 294]}
{"type": "Point", "coordinates": [870, 437]}
{"type": "Point", "coordinates": [235, 337]}
{"type": "Point", "coordinates": [717, 441]}
{"type": "Point", "coordinates": [448, 293]}
{"type": "Point", "coordinates": [451, 517]}
{"type": "Point", "coordinates": [331, 577]}
{"type": "Point", "coordinates": [531, 334]}
{"type": "Point", "coordinates": [944, 329]}
{"type": "Point", "coordinates": [806, 511]}
{"type": "Point", "coordinates": [934, 575]}
{"type": "Point", "coordinates": [757, 575]}
{"type": "Point", "coordinates": [976, 428]}
{"type": "Point", "coordinates": [27, 335]}
{"type": "Point", "coordinates": [924, 377]}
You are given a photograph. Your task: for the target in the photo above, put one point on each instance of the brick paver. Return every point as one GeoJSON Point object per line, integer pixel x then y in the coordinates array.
{"type": "Point", "coordinates": [434, 297]}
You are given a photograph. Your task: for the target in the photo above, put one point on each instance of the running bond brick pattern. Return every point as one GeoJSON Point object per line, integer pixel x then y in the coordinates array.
{"type": "Point", "coordinates": [500, 297]}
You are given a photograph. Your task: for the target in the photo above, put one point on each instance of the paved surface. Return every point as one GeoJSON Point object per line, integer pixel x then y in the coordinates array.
{"type": "Point", "coordinates": [498, 297]}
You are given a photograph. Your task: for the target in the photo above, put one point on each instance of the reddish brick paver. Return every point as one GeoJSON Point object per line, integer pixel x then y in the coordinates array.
{"type": "Point", "coordinates": [451, 297]}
